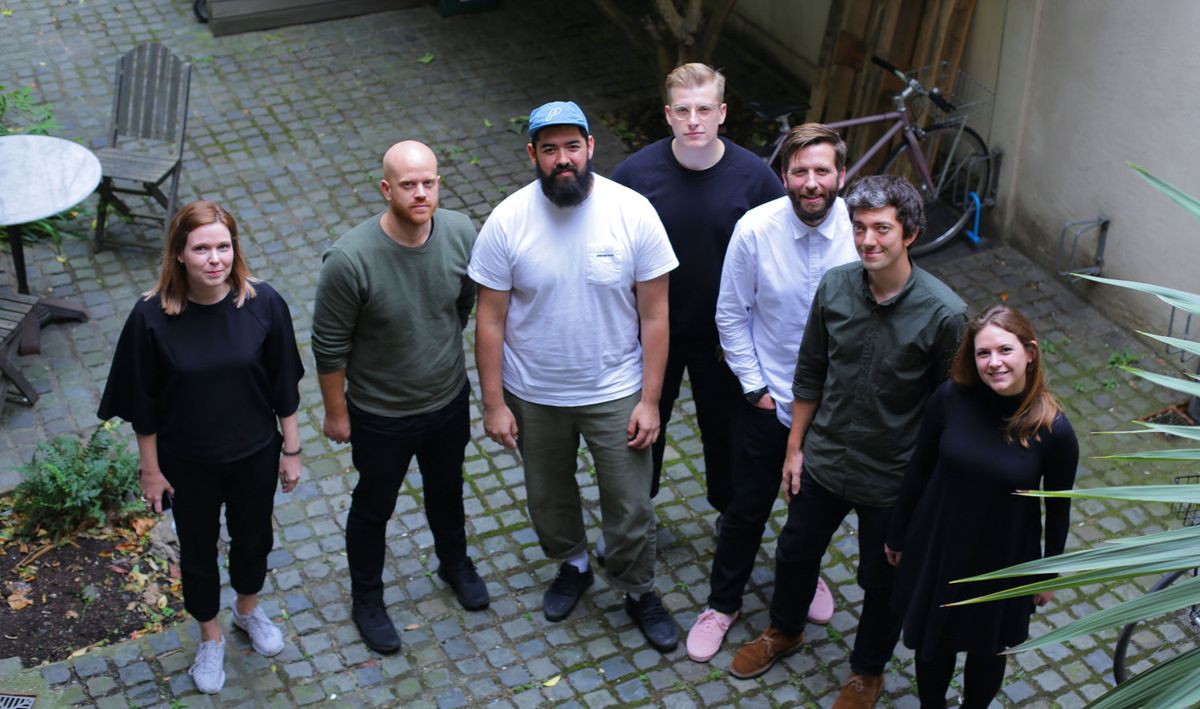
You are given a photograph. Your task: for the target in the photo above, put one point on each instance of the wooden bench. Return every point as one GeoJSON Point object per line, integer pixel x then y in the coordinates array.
{"type": "Point", "coordinates": [17, 316]}
{"type": "Point", "coordinates": [233, 16]}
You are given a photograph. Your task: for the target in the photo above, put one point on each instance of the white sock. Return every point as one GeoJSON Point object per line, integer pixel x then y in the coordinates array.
{"type": "Point", "coordinates": [580, 562]}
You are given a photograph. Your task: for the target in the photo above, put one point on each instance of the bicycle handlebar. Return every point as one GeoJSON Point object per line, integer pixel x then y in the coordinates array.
{"type": "Point", "coordinates": [933, 94]}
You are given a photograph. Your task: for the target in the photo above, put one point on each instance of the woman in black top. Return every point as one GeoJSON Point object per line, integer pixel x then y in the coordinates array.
{"type": "Point", "coordinates": [991, 429]}
{"type": "Point", "coordinates": [205, 365]}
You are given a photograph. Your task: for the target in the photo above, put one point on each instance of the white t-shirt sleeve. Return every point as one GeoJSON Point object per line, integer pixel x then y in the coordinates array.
{"type": "Point", "coordinates": [491, 265]}
{"type": "Point", "coordinates": [653, 249]}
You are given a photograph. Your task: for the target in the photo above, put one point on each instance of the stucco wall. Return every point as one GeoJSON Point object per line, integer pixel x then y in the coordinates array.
{"type": "Point", "coordinates": [790, 33]}
{"type": "Point", "coordinates": [1083, 86]}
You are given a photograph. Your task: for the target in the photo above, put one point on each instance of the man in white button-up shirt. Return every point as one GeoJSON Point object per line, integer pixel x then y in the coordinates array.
{"type": "Point", "coordinates": [777, 256]}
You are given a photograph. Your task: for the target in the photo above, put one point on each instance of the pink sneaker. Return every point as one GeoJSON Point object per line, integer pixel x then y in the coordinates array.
{"type": "Point", "coordinates": [820, 611]}
{"type": "Point", "coordinates": [705, 637]}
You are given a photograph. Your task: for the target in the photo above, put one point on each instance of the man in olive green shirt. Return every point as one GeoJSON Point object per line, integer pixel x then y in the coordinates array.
{"type": "Point", "coordinates": [879, 340]}
{"type": "Point", "coordinates": [392, 300]}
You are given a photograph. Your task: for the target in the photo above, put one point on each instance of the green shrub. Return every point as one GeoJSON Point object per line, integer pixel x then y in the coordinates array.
{"type": "Point", "coordinates": [71, 483]}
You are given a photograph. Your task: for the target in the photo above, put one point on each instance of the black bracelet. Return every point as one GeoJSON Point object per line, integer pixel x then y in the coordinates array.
{"type": "Point", "coordinates": [298, 451]}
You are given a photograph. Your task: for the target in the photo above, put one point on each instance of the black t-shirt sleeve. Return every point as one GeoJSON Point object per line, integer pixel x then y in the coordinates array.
{"type": "Point", "coordinates": [281, 358]}
{"type": "Point", "coordinates": [133, 386]}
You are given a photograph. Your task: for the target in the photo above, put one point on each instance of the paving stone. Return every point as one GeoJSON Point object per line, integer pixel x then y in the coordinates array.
{"type": "Point", "coordinates": [299, 106]}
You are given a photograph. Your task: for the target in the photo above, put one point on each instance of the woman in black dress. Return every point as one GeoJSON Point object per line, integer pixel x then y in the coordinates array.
{"type": "Point", "coordinates": [205, 365]}
{"type": "Point", "coordinates": [991, 429]}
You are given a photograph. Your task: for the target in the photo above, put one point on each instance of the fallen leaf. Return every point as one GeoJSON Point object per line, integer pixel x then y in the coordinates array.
{"type": "Point", "coordinates": [411, 626]}
{"type": "Point", "coordinates": [1004, 297]}
{"type": "Point", "coordinates": [143, 525]}
{"type": "Point", "coordinates": [426, 58]}
{"type": "Point", "coordinates": [72, 615]}
{"type": "Point", "coordinates": [162, 602]}
{"type": "Point", "coordinates": [78, 653]}
{"type": "Point", "coordinates": [118, 569]}
{"type": "Point", "coordinates": [552, 681]}
{"type": "Point", "coordinates": [19, 600]}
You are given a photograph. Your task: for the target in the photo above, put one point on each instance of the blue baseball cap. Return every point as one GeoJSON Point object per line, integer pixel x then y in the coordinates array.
{"type": "Point", "coordinates": [556, 113]}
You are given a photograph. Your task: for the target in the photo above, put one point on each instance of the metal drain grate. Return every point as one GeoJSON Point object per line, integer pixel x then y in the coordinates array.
{"type": "Point", "coordinates": [17, 701]}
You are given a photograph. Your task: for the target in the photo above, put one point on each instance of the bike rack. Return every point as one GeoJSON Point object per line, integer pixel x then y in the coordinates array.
{"type": "Point", "coordinates": [1076, 230]}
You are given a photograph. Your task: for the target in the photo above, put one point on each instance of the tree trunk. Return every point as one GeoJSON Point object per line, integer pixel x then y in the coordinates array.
{"type": "Point", "coordinates": [678, 30]}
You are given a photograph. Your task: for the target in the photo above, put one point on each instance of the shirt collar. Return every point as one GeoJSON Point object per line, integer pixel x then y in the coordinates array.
{"type": "Point", "coordinates": [827, 228]}
{"type": "Point", "coordinates": [904, 290]}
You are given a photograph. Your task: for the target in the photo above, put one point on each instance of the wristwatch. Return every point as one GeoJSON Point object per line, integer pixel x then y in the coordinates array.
{"type": "Point", "coordinates": [752, 397]}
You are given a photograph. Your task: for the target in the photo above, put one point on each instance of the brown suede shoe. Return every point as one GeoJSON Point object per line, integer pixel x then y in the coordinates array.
{"type": "Point", "coordinates": [757, 656]}
{"type": "Point", "coordinates": [860, 692]}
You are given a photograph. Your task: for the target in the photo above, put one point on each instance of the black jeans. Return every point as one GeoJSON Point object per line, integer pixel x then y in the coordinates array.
{"type": "Point", "coordinates": [247, 489]}
{"type": "Point", "coordinates": [382, 448]}
{"type": "Point", "coordinates": [813, 517]}
{"type": "Point", "coordinates": [760, 443]}
{"type": "Point", "coordinates": [717, 394]}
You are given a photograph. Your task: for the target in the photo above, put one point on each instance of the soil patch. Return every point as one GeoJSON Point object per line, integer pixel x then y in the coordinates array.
{"type": "Point", "coordinates": [100, 586]}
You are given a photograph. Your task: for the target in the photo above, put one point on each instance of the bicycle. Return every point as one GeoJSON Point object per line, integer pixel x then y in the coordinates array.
{"type": "Point", "coordinates": [947, 160]}
{"type": "Point", "coordinates": [1185, 620]}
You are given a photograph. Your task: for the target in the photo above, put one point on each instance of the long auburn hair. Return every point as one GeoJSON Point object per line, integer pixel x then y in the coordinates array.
{"type": "Point", "coordinates": [172, 285]}
{"type": "Point", "coordinates": [1038, 406]}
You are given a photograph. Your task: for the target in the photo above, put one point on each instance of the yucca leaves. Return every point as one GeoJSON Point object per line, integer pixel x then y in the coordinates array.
{"type": "Point", "coordinates": [1176, 682]}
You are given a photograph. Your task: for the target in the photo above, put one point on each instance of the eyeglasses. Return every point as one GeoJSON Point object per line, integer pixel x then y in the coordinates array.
{"type": "Point", "coordinates": [683, 113]}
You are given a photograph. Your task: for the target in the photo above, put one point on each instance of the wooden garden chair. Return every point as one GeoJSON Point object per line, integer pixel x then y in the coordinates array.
{"type": "Point", "coordinates": [144, 155]}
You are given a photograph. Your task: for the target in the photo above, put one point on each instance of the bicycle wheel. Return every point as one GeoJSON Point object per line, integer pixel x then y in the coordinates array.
{"type": "Point", "coordinates": [960, 164]}
{"type": "Point", "coordinates": [1138, 642]}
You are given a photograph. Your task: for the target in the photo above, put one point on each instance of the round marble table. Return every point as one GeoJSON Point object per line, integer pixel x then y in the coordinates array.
{"type": "Point", "coordinates": [40, 176]}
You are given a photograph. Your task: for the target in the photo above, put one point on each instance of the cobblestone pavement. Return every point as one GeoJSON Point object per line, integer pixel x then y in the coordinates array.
{"type": "Point", "coordinates": [287, 128]}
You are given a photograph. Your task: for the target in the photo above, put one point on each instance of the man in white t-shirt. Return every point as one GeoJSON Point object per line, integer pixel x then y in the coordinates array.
{"type": "Point", "coordinates": [571, 269]}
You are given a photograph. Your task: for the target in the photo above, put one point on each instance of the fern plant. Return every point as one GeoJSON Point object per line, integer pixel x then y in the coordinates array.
{"type": "Point", "coordinates": [72, 483]}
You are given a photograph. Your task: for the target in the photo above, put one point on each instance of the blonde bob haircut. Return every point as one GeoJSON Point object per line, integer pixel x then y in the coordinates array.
{"type": "Point", "coordinates": [172, 287]}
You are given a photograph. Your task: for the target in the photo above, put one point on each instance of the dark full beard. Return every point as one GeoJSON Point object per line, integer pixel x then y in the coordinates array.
{"type": "Point", "coordinates": [566, 193]}
{"type": "Point", "coordinates": [811, 218]}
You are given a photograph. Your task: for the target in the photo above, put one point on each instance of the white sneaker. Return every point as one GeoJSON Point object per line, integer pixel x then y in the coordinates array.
{"type": "Point", "coordinates": [264, 635]}
{"type": "Point", "coordinates": [208, 671]}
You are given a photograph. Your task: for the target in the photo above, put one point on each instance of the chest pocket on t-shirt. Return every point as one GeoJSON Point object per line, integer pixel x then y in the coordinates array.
{"type": "Point", "coordinates": [603, 264]}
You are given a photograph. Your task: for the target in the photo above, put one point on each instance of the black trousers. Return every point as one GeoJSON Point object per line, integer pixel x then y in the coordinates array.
{"type": "Point", "coordinates": [813, 517]}
{"type": "Point", "coordinates": [247, 489]}
{"type": "Point", "coordinates": [382, 448]}
{"type": "Point", "coordinates": [759, 444]}
{"type": "Point", "coordinates": [716, 393]}
{"type": "Point", "coordinates": [983, 673]}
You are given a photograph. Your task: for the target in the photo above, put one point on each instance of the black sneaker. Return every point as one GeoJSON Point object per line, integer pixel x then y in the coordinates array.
{"type": "Point", "coordinates": [376, 627]}
{"type": "Point", "coordinates": [565, 591]}
{"type": "Point", "coordinates": [470, 590]}
{"type": "Point", "coordinates": [654, 621]}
